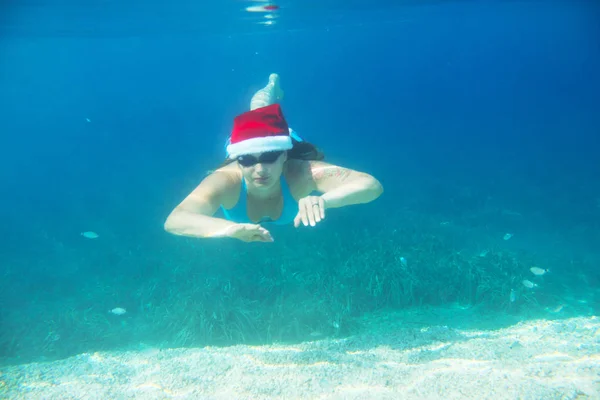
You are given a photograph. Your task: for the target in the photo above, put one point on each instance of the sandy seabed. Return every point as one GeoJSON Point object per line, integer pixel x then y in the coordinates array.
{"type": "Point", "coordinates": [538, 359]}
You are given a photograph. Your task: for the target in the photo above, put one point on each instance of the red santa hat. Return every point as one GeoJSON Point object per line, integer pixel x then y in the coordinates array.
{"type": "Point", "coordinates": [258, 131]}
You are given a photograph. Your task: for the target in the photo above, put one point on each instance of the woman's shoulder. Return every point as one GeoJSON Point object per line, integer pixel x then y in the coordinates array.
{"type": "Point", "coordinates": [298, 174]}
{"type": "Point", "coordinates": [229, 169]}
{"type": "Point", "coordinates": [296, 169]}
{"type": "Point", "coordinates": [307, 175]}
{"type": "Point", "coordinates": [228, 179]}
{"type": "Point", "coordinates": [304, 169]}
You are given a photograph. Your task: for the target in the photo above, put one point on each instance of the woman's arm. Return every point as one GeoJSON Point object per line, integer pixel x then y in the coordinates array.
{"type": "Point", "coordinates": [339, 187]}
{"type": "Point", "coordinates": [194, 215]}
{"type": "Point", "coordinates": [342, 186]}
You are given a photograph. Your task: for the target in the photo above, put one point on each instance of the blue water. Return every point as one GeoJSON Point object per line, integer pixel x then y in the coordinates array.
{"type": "Point", "coordinates": [479, 118]}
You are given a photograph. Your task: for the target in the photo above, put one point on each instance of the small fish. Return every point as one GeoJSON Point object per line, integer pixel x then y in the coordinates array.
{"type": "Point", "coordinates": [118, 311]}
{"type": "Point", "coordinates": [484, 253]}
{"type": "Point", "coordinates": [89, 235]}
{"type": "Point", "coordinates": [538, 271]}
{"type": "Point", "coordinates": [513, 295]}
{"type": "Point", "coordinates": [403, 262]}
{"type": "Point", "coordinates": [507, 236]}
{"type": "Point", "coordinates": [555, 310]}
{"type": "Point", "coordinates": [529, 284]}
{"type": "Point", "coordinates": [88, 120]}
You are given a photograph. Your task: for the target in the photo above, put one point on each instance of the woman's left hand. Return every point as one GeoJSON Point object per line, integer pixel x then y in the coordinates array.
{"type": "Point", "coordinates": [311, 210]}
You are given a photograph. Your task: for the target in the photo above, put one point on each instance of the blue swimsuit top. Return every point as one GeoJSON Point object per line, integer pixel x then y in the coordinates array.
{"type": "Point", "coordinates": [239, 212]}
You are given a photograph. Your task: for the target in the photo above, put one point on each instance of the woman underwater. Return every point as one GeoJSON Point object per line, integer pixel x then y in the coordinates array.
{"type": "Point", "coordinates": [270, 175]}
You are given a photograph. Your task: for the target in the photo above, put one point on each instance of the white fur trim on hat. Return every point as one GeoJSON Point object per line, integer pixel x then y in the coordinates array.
{"type": "Point", "coordinates": [259, 145]}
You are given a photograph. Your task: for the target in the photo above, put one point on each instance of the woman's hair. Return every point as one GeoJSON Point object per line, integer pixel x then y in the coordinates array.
{"type": "Point", "coordinates": [305, 151]}
{"type": "Point", "coordinates": [299, 151]}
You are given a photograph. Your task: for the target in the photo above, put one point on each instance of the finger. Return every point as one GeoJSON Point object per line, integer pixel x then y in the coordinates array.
{"type": "Point", "coordinates": [256, 233]}
{"type": "Point", "coordinates": [267, 235]}
{"type": "Point", "coordinates": [297, 220]}
{"type": "Point", "coordinates": [317, 213]}
{"type": "Point", "coordinates": [303, 211]}
{"type": "Point", "coordinates": [311, 212]}
{"type": "Point", "coordinates": [322, 207]}
{"type": "Point", "coordinates": [317, 210]}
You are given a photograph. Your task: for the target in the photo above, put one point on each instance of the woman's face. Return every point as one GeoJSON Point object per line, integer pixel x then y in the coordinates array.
{"type": "Point", "coordinates": [262, 170]}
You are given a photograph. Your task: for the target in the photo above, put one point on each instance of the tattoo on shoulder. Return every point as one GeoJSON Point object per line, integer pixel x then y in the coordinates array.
{"type": "Point", "coordinates": [331, 171]}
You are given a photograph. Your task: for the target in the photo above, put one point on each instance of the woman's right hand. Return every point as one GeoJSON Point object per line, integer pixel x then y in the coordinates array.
{"type": "Point", "coordinates": [249, 233]}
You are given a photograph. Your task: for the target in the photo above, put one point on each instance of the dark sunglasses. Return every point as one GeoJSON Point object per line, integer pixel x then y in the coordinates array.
{"type": "Point", "coordinates": [265, 158]}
